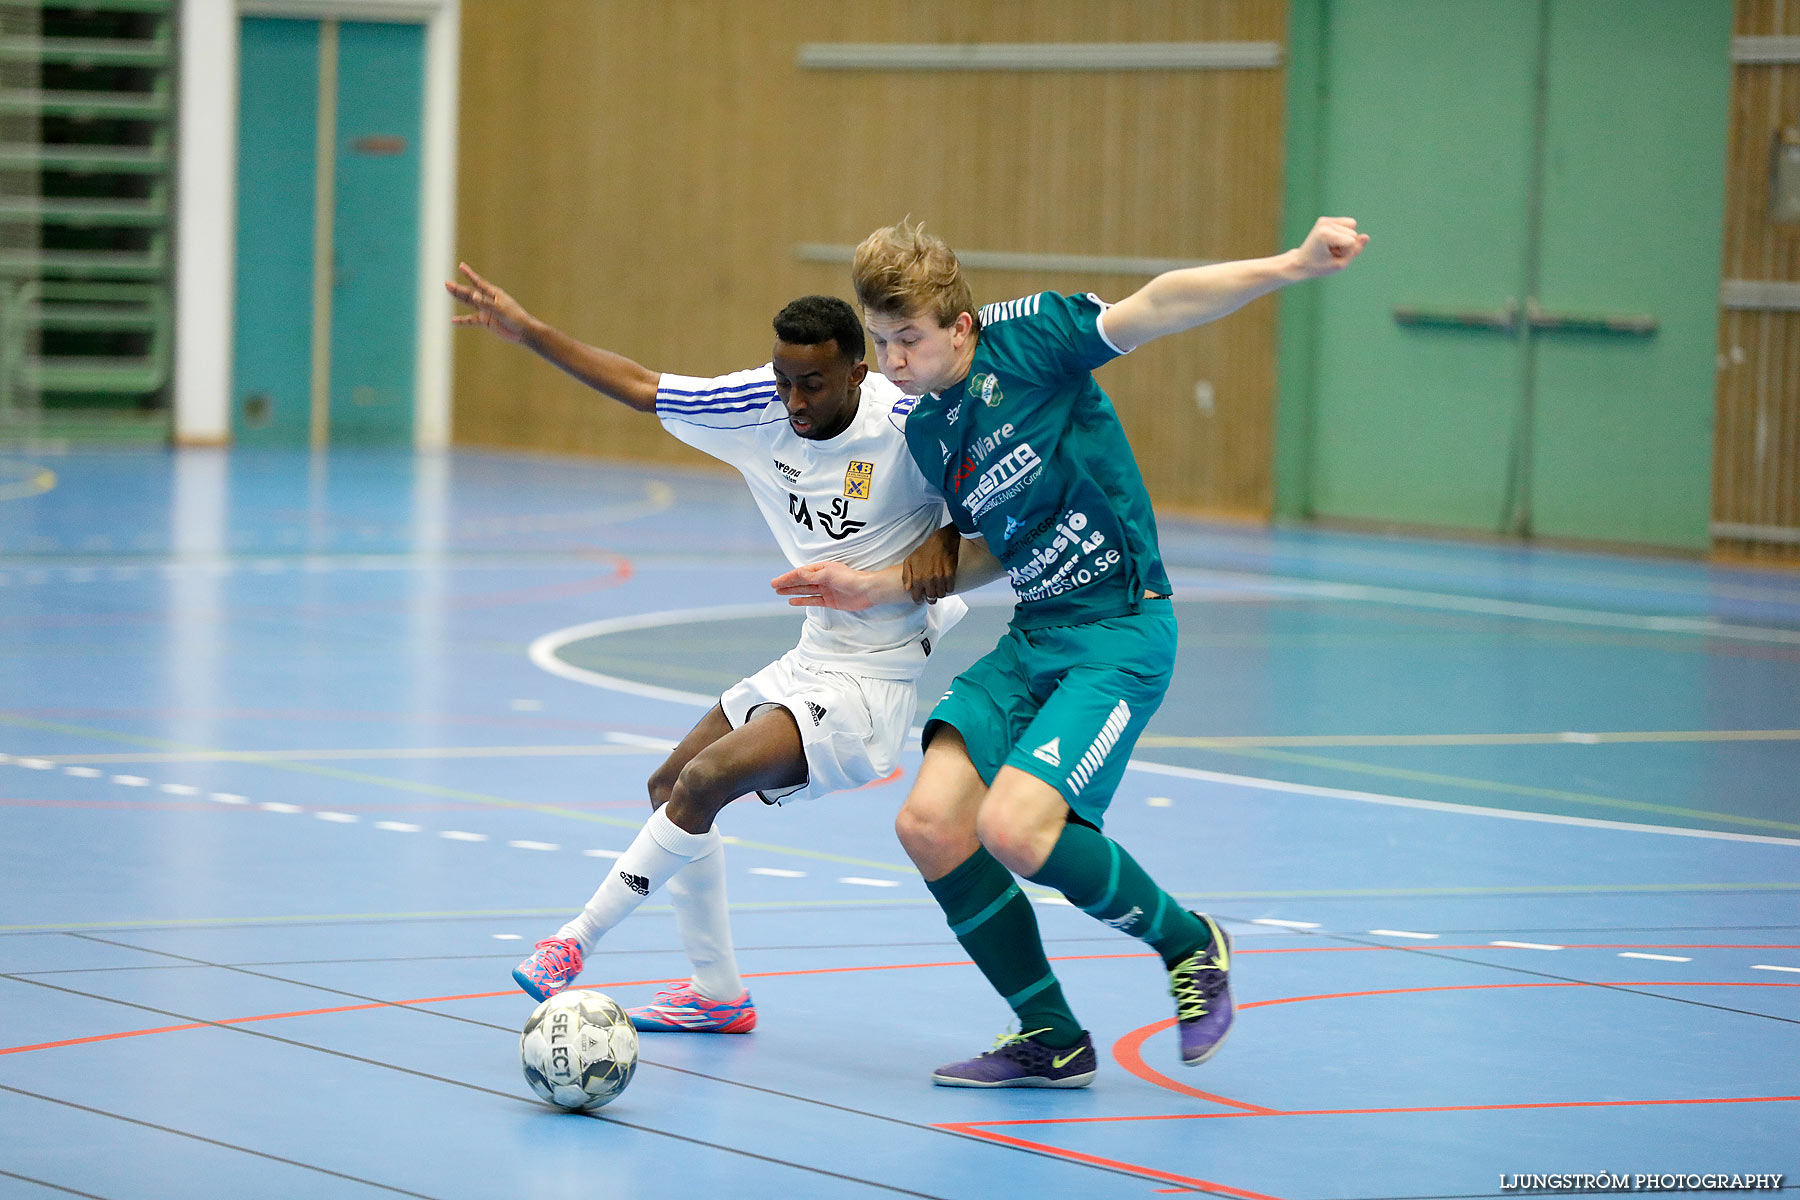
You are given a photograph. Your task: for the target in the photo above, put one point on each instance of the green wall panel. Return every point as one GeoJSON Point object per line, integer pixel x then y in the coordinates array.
{"type": "Point", "coordinates": [278, 108]}
{"type": "Point", "coordinates": [374, 307]}
{"type": "Point", "coordinates": [1634, 196]}
{"type": "Point", "coordinates": [1571, 151]}
{"type": "Point", "coordinates": [1428, 144]}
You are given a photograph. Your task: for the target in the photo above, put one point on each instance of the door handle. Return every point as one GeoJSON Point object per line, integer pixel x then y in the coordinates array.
{"type": "Point", "coordinates": [1507, 319]}
{"type": "Point", "coordinates": [1504, 319]}
{"type": "Point", "coordinates": [1629, 324]}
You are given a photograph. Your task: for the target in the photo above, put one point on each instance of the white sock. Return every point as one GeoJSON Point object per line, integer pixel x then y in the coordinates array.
{"type": "Point", "coordinates": [701, 916]}
{"type": "Point", "coordinates": [660, 849]}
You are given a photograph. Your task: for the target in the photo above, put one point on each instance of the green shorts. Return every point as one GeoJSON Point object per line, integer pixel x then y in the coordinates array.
{"type": "Point", "coordinates": [1065, 703]}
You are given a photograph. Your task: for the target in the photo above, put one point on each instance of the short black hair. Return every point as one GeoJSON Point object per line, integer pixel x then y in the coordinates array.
{"type": "Point", "coordinates": [812, 320]}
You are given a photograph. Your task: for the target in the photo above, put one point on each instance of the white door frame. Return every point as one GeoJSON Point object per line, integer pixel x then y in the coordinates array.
{"type": "Point", "coordinates": [206, 198]}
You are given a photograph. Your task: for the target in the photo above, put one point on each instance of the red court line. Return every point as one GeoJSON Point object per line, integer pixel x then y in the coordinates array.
{"type": "Point", "coordinates": [1203, 1185]}
{"type": "Point", "coordinates": [621, 574]}
{"type": "Point", "coordinates": [1128, 1050]}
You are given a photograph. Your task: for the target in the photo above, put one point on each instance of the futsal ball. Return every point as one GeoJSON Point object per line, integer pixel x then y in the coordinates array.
{"type": "Point", "coordinates": [578, 1049]}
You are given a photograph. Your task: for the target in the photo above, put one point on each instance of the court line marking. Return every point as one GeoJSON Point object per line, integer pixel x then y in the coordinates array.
{"type": "Point", "coordinates": [974, 1130]}
{"type": "Point", "coordinates": [608, 1118]}
{"type": "Point", "coordinates": [407, 785]}
{"type": "Point", "coordinates": [1518, 609]}
{"type": "Point", "coordinates": [1566, 737]}
{"type": "Point", "coordinates": [1493, 785]}
{"type": "Point", "coordinates": [1143, 1033]}
{"type": "Point", "coordinates": [1128, 1051]}
{"type": "Point", "coordinates": [628, 749]}
{"type": "Point", "coordinates": [1443, 806]}
{"type": "Point", "coordinates": [199, 1137]}
{"type": "Point", "coordinates": [543, 653]}
{"type": "Point", "coordinates": [35, 482]}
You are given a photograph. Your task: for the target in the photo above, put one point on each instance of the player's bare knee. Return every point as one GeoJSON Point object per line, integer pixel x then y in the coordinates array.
{"type": "Point", "coordinates": [1015, 834]}
{"type": "Point", "coordinates": [704, 783]}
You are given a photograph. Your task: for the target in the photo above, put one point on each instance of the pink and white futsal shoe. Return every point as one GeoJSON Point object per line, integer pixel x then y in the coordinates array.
{"type": "Point", "coordinates": [551, 968]}
{"type": "Point", "coordinates": [680, 1009]}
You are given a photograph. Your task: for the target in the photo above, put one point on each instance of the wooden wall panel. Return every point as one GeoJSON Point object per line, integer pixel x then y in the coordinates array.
{"type": "Point", "coordinates": [641, 175]}
{"type": "Point", "coordinates": [1756, 464]}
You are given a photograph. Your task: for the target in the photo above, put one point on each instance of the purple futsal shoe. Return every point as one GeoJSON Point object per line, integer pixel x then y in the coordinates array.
{"type": "Point", "coordinates": [1020, 1060]}
{"type": "Point", "coordinates": [1201, 984]}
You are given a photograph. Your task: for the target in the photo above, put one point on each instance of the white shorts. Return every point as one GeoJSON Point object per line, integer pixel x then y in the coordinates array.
{"type": "Point", "coordinates": [852, 726]}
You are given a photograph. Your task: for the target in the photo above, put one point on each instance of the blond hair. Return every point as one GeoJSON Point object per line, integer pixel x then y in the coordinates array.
{"type": "Point", "coordinates": [902, 271]}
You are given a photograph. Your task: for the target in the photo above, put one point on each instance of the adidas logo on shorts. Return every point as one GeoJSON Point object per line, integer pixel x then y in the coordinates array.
{"type": "Point", "coordinates": [636, 883]}
{"type": "Point", "coordinates": [818, 713]}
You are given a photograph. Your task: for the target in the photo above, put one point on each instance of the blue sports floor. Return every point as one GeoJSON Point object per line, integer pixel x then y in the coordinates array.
{"type": "Point", "coordinates": [298, 757]}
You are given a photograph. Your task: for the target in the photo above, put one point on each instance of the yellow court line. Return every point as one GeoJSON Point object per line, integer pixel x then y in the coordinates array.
{"type": "Point", "coordinates": [1511, 789]}
{"type": "Point", "coordinates": [40, 481]}
{"type": "Point", "coordinates": [1572, 737]}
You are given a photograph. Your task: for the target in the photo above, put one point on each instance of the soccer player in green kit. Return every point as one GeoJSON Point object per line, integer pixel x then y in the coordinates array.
{"type": "Point", "coordinates": [1023, 754]}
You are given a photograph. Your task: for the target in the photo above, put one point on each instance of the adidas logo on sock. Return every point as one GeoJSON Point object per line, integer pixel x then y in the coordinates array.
{"type": "Point", "coordinates": [1123, 922]}
{"type": "Point", "coordinates": [1050, 752]}
{"type": "Point", "coordinates": [818, 713]}
{"type": "Point", "coordinates": [636, 883]}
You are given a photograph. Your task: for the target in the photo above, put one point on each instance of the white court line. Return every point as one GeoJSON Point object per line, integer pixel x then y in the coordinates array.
{"type": "Point", "coordinates": [1523, 610]}
{"type": "Point", "coordinates": [860, 881]}
{"type": "Point", "coordinates": [524, 845]}
{"type": "Point", "coordinates": [1443, 806]}
{"type": "Point", "coordinates": [1768, 967]}
{"type": "Point", "coordinates": [462, 835]}
{"type": "Point", "coordinates": [1654, 957]}
{"type": "Point", "coordinates": [603, 853]}
{"type": "Point", "coordinates": [1160, 802]}
{"type": "Point", "coordinates": [778, 872]}
{"type": "Point", "coordinates": [84, 772]}
{"type": "Point", "coordinates": [131, 781]}
{"type": "Point", "coordinates": [1405, 933]}
{"type": "Point", "coordinates": [638, 739]}
{"type": "Point", "coordinates": [1526, 945]}
{"type": "Point", "coordinates": [398, 826]}
{"type": "Point", "coordinates": [228, 798]}
{"type": "Point", "coordinates": [275, 806]}
{"type": "Point", "coordinates": [35, 764]}
{"type": "Point", "coordinates": [1276, 921]}
{"type": "Point", "coordinates": [340, 818]}
{"type": "Point", "coordinates": [543, 654]}
{"type": "Point", "coordinates": [181, 789]}
{"type": "Point", "coordinates": [508, 937]}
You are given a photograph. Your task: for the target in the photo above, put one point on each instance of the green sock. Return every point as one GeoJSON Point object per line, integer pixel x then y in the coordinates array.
{"type": "Point", "coordinates": [995, 923]}
{"type": "Point", "coordinates": [1106, 883]}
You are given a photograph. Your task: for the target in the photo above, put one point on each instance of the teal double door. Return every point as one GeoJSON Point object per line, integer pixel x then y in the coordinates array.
{"type": "Point", "coordinates": [328, 204]}
{"type": "Point", "coordinates": [1529, 344]}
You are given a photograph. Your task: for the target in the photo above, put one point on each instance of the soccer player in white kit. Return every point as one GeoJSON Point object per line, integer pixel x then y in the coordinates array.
{"type": "Point", "coordinates": [821, 442]}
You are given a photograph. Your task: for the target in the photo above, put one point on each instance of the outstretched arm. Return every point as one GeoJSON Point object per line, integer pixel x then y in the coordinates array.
{"type": "Point", "coordinates": [1178, 300]}
{"type": "Point", "coordinates": [839, 585]}
{"type": "Point", "coordinates": [628, 382]}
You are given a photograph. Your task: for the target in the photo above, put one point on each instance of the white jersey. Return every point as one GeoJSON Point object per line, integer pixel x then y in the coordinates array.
{"type": "Point", "coordinates": [857, 498]}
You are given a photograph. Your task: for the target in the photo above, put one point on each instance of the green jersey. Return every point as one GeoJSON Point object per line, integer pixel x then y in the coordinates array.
{"type": "Point", "coordinates": [1030, 455]}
